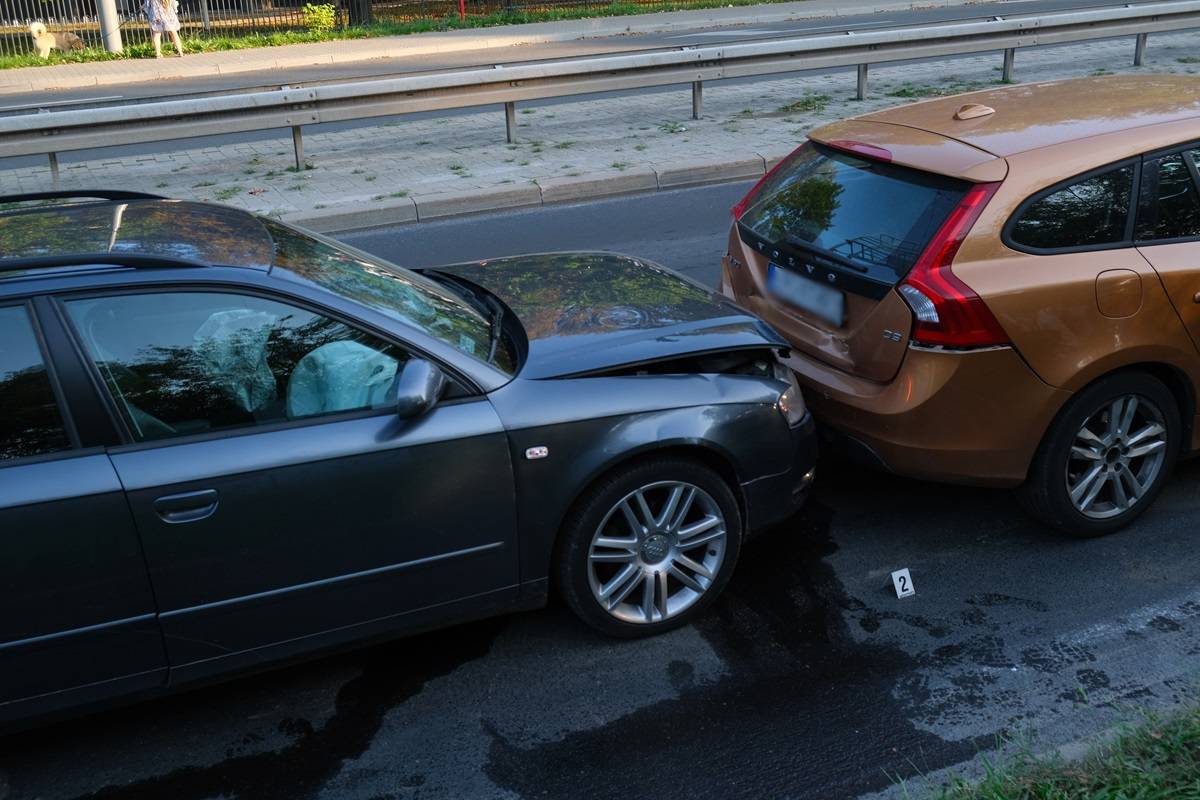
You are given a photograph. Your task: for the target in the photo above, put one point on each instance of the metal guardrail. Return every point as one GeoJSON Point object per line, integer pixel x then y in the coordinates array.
{"type": "Point", "coordinates": [77, 129]}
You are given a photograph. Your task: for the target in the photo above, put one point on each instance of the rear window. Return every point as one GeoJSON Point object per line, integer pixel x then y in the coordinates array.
{"type": "Point", "coordinates": [872, 216]}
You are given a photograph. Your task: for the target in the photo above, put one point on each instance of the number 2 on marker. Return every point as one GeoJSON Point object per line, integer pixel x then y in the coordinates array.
{"type": "Point", "coordinates": [902, 581]}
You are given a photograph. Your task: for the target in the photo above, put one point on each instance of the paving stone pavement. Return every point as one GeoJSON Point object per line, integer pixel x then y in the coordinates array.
{"type": "Point", "coordinates": [407, 170]}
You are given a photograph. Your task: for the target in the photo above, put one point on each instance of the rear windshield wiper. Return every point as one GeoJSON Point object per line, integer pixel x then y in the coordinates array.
{"type": "Point", "coordinates": [828, 255]}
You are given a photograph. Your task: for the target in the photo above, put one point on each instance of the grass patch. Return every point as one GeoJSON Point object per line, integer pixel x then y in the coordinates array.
{"type": "Point", "coordinates": [227, 193]}
{"type": "Point", "coordinates": [203, 184]}
{"type": "Point", "coordinates": [912, 91]}
{"type": "Point", "coordinates": [619, 165]}
{"type": "Point", "coordinates": [564, 145]}
{"type": "Point", "coordinates": [1159, 758]}
{"type": "Point", "coordinates": [1189, 60]}
{"type": "Point", "coordinates": [810, 102]}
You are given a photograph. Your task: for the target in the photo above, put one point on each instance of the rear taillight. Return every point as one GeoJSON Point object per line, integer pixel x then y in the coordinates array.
{"type": "Point", "coordinates": [739, 208]}
{"type": "Point", "coordinates": [947, 311]}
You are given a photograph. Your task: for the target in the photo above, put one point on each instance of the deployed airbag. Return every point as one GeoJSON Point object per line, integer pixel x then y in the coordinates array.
{"type": "Point", "coordinates": [340, 376]}
{"type": "Point", "coordinates": [231, 347]}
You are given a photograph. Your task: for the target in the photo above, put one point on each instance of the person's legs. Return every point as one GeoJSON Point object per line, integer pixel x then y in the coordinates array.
{"type": "Point", "coordinates": [156, 40]}
{"type": "Point", "coordinates": [178, 43]}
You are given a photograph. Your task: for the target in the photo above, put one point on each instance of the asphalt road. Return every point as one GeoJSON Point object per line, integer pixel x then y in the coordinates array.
{"type": "Point", "coordinates": [69, 99]}
{"type": "Point", "coordinates": [808, 679]}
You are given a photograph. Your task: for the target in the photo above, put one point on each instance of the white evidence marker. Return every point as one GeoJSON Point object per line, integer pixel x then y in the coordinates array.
{"type": "Point", "coordinates": [902, 581]}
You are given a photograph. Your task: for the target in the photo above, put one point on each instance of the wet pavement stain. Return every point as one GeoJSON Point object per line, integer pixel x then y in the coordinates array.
{"type": "Point", "coordinates": [391, 674]}
{"type": "Point", "coordinates": [804, 710]}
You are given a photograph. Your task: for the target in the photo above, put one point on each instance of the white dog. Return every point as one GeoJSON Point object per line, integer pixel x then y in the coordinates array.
{"type": "Point", "coordinates": [44, 41]}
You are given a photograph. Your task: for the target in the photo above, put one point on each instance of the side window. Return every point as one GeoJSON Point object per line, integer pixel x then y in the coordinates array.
{"type": "Point", "coordinates": [179, 363]}
{"type": "Point", "coordinates": [30, 424]}
{"type": "Point", "coordinates": [1169, 207]}
{"type": "Point", "coordinates": [1092, 212]}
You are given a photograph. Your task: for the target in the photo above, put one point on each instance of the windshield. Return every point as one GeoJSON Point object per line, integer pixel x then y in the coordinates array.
{"type": "Point", "coordinates": [401, 294]}
{"type": "Point", "coordinates": [876, 217]}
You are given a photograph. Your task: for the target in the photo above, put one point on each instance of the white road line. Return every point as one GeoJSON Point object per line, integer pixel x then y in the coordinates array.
{"type": "Point", "coordinates": [62, 102]}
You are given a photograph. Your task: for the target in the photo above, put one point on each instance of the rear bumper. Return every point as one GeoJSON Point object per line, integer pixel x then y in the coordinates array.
{"type": "Point", "coordinates": [973, 417]}
{"type": "Point", "coordinates": [773, 498]}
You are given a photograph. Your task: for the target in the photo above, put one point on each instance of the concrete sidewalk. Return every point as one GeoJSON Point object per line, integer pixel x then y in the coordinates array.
{"type": "Point", "coordinates": [138, 70]}
{"type": "Point", "coordinates": [421, 169]}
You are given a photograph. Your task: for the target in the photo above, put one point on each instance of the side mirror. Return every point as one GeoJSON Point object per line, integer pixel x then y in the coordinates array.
{"type": "Point", "coordinates": [418, 388]}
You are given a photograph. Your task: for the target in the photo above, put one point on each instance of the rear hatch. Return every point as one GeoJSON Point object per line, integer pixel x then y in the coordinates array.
{"type": "Point", "coordinates": [829, 234]}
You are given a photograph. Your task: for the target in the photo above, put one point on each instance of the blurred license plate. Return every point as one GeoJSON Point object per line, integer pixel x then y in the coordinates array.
{"type": "Point", "coordinates": [826, 303]}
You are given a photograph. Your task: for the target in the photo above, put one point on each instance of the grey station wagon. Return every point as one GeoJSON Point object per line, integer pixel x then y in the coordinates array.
{"type": "Point", "coordinates": [226, 442]}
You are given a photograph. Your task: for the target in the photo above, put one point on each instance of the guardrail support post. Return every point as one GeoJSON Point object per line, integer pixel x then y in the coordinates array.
{"type": "Point", "coordinates": [205, 18]}
{"type": "Point", "coordinates": [1010, 58]}
{"type": "Point", "coordinates": [298, 144]}
{"type": "Point", "coordinates": [697, 99]}
{"type": "Point", "coordinates": [53, 157]}
{"type": "Point", "coordinates": [1139, 51]}
{"type": "Point", "coordinates": [110, 25]}
{"type": "Point", "coordinates": [510, 122]}
{"type": "Point", "coordinates": [863, 72]}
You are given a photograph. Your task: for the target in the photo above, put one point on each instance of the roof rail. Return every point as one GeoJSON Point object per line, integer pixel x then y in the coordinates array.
{"type": "Point", "coordinates": [96, 194]}
{"type": "Point", "coordinates": [132, 260]}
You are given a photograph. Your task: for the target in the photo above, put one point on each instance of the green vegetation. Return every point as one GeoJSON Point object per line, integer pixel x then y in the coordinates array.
{"type": "Point", "coordinates": [912, 91]}
{"type": "Point", "coordinates": [449, 22]}
{"type": "Point", "coordinates": [1158, 759]}
{"type": "Point", "coordinates": [619, 165]}
{"type": "Point", "coordinates": [672, 127]}
{"type": "Point", "coordinates": [810, 102]}
{"type": "Point", "coordinates": [319, 17]}
{"type": "Point", "coordinates": [1189, 60]}
{"type": "Point", "coordinates": [227, 192]}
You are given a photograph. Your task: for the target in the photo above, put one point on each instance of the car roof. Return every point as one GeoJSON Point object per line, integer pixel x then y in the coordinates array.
{"type": "Point", "coordinates": [137, 229]}
{"type": "Point", "coordinates": [1038, 115]}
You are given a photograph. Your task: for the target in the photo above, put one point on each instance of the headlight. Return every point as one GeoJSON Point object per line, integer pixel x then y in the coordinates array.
{"type": "Point", "coordinates": [791, 402]}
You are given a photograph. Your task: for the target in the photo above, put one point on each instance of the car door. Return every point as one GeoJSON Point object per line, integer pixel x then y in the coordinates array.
{"type": "Point", "coordinates": [1168, 228]}
{"type": "Point", "coordinates": [76, 609]}
{"type": "Point", "coordinates": [282, 503]}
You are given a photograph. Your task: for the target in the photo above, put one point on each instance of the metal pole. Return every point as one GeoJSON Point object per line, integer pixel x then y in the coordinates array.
{"type": "Point", "coordinates": [205, 19]}
{"type": "Point", "coordinates": [1010, 57]}
{"type": "Point", "coordinates": [510, 122]}
{"type": "Point", "coordinates": [697, 99]}
{"type": "Point", "coordinates": [1139, 52]}
{"type": "Point", "coordinates": [53, 169]}
{"type": "Point", "coordinates": [298, 143]}
{"type": "Point", "coordinates": [110, 25]}
{"type": "Point", "coordinates": [863, 70]}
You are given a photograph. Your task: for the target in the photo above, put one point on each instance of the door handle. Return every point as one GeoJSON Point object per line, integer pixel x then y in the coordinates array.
{"type": "Point", "coordinates": [187, 507]}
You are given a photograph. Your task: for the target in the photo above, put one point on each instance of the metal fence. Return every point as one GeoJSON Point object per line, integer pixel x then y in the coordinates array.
{"type": "Point", "coordinates": [31, 132]}
{"type": "Point", "coordinates": [208, 18]}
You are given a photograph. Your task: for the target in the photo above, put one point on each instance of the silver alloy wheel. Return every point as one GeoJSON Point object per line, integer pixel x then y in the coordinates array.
{"type": "Point", "coordinates": [656, 552]}
{"type": "Point", "coordinates": [1116, 457]}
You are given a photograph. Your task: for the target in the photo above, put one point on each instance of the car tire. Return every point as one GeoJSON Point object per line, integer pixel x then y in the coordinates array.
{"type": "Point", "coordinates": [1091, 477]}
{"type": "Point", "coordinates": [604, 566]}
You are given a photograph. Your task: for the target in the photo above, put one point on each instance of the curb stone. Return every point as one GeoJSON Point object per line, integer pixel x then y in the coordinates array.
{"type": "Point", "coordinates": [693, 173]}
{"type": "Point", "coordinates": [598, 184]}
{"type": "Point", "coordinates": [550, 191]}
{"type": "Point", "coordinates": [454, 204]}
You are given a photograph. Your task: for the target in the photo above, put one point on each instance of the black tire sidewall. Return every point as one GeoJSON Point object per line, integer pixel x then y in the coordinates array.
{"type": "Point", "coordinates": [1046, 493]}
{"type": "Point", "coordinates": [571, 556]}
